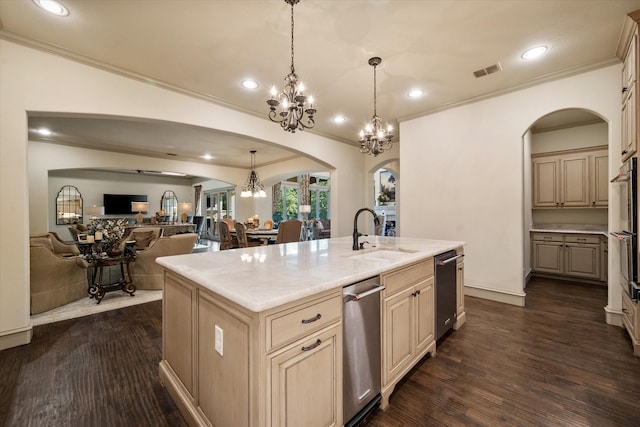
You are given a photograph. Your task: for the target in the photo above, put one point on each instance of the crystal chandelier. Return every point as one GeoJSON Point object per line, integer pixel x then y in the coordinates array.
{"type": "Point", "coordinates": [373, 138]}
{"type": "Point", "coordinates": [253, 187]}
{"type": "Point", "coordinates": [292, 101]}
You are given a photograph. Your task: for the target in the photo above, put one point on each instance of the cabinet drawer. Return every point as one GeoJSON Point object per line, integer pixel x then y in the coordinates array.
{"type": "Point", "coordinates": [407, 276]}
{"type": "Point", "coordinates": [548, 237]}
{"type": "Point", "coordinates": [582, 238]}
{"type": "Point", "coordinates": [629, 312]}
{"type": "Point", "coordinates": [289, 325]}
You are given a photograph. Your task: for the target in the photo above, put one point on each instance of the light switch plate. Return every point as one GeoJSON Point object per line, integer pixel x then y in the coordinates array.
{"type": "Point", "coordinates": [219, 339]}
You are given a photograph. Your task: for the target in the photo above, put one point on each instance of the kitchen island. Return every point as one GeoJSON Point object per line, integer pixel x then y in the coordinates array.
{"type": "Point", "coordinates": [253, 337]}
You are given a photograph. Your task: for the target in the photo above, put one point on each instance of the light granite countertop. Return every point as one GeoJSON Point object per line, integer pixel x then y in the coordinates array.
{"type": "Point", "coordinates": [263, 277]}
{"type": "Point", "coordinates": [570, 228]}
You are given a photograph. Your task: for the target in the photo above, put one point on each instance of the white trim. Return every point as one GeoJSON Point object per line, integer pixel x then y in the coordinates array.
{"type": "Point", "coordinates": [16, 337]}
{"type": "Point", "coordinates": [495, 295]}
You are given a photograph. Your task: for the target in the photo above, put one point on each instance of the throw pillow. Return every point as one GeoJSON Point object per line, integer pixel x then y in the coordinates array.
{"type": "Point", "coordinates": [82, 227]}
{"type": "Point", "coordinates": [143, 239]}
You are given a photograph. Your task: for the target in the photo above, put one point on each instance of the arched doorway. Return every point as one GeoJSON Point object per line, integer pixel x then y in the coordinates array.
{"type": "Point", "coordinates": [566, 183]}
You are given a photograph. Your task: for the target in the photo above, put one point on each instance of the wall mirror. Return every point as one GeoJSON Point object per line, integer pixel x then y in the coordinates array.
{"type": "Point", "coordinates": [69, 206]}
{"type": "Point", "coordinates": [169, 203]}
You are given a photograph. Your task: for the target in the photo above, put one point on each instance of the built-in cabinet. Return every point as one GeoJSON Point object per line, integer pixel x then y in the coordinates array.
{"type": "Point", "coordinates": [570, 254]}
{"type": "Point", "coordinates": [628, 51]}
{"type": "Point", "coordinates": [408, 321]}
{"type": "Point", "coordinates": [630, 319]}
{"type": "Point", "coordinates": [570, 179]}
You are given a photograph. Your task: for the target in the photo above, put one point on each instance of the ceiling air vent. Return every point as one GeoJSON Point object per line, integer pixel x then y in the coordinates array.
{"type": "Point", "coordinates": [488, 70]}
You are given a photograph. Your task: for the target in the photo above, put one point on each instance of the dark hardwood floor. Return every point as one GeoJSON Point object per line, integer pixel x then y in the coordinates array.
{"type": "Point", "coordinates": [553, 363]}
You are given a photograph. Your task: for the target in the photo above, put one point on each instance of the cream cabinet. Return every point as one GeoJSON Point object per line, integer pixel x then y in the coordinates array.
{"type": "Point", "coordinates": [574, 255]}
{"type": "Point", "coordinates": [408, 321]}
{"type": "Point", "coordinates": [628, 51]}
{"type": "Point", "coordinates": [570, 179]}
{"type": "Point", "coordinates": [281, 367]}
{"type": "Point", "coordinates": [630, 319]}
{"type": "Point", "coordinates": [304, 382]}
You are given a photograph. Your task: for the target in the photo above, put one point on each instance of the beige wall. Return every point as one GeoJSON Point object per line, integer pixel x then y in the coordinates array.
{"type": "Point", "coordinates": [467, 165]}
{"type": "Point", "coordinates": [31, 80]}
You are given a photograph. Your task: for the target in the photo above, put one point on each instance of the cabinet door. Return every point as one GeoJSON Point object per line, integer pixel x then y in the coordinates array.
{"type": "Point", "coordinates": [397, 333]}
{"type": "Point", "coordinates": [574, 181]}
{"type": "Point", "coordinates": [600, 179]}
{"type": "Point", "coordinates": [629, 65]}
{"type": "Point", "coordinates": [547, 257]}
{"type": "Point", "coordinates": [583, 260]}
{"type": "Point", "coordinates": [546, 178]}
{"type": "Point", "coordinates": [306, 382]}
{"type": "Point", "coordinates": [424, 306]}
{"type": "Point", "coordinates": [630, 123]}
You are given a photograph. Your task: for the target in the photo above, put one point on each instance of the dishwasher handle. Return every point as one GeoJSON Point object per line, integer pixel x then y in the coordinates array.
{"type": "Point", "coordinates": [448, 260]}
{"type": "Point", "coordinates": [355, 297]}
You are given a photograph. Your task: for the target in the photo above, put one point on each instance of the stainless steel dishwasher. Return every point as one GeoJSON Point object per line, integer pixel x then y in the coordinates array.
{"type": "Point", "coordinates": [446, 310]}
{"type": "Point", "coordinates": [361, 352]}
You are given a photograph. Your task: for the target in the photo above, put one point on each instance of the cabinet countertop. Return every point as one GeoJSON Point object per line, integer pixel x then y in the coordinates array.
{"type": "Point", "coordinates": [263, 277]}
{"type": "Point", "coordinates": [570, 229]}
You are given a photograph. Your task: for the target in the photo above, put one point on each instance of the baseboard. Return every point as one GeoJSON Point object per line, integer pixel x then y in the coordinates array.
{"type": "Point", "coordinates": [16, 337]}
{"type": "Point", "coordinates": [495, 295]}
{"type": "Point", "coordinates": [613, 317]}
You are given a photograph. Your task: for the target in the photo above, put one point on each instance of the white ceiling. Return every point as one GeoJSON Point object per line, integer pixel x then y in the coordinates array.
{"type": "Point", "coordinates": [208, 47]}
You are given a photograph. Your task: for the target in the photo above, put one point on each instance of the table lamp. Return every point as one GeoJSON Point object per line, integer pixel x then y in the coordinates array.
{"type": "Point", "coordinates": [185, 208]}
{"type": "Point", "coordinates": [139, 207]}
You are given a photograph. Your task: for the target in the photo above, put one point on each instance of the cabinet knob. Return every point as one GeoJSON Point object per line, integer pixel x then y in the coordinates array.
{"type": "Point", "coordinates": [624, 89]}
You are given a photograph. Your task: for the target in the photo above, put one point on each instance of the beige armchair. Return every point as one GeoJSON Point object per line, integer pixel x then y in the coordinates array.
{"type": "Point", "coordinates": [57, 274]}
{"type": "Point", "coordinates": [145, 272]}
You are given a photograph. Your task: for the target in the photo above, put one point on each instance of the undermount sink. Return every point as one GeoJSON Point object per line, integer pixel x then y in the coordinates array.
{"type": "Point", "coordinates": [380, 254]}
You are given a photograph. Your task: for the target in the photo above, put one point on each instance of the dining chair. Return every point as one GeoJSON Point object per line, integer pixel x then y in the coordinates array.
{"type": "Point", "coordinates": [289, 231]}
{"type": "Point", "coordinates": [241, 234]}
{"type": "Point", "coordinates": [225, 236]}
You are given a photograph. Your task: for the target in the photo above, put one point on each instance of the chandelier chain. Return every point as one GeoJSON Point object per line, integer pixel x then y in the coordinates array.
{"type": "Point", "coordinates": [292, 68]}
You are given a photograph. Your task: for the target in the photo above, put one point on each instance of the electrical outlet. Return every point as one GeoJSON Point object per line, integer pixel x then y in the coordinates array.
{"type": "Point", "coordinates": [219, 339]}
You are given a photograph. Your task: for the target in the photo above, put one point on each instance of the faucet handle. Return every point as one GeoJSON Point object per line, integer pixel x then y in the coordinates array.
{"type": "Point", "coordinates": [362, 244]}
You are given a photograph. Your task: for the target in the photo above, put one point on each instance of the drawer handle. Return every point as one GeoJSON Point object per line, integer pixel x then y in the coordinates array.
{"type": "Point", "coordinates": [312, 346]}
{"type": "Point", "coordinates": [624, 310]}
{"type": "Point", "coordinates": [416, 293]}
{"type": "Point", "coordinates": [313, 319]}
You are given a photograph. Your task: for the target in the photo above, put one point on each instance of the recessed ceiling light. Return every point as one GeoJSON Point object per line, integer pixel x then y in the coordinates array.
{"type": "Point", "coordinates": [534, 52]}
{"type": "Point", "coordinates": [416, 93]}
{"type": "Point", "coordinates": [44, 132]}
{"type": "Point", "coordinates": [339, 119]}
{"type": "Point", "coordinates": [249, 84]}
{"type": "Point", "coordinates": [207, 157]}
{"type": "Point", "coordinates": [53, 6]}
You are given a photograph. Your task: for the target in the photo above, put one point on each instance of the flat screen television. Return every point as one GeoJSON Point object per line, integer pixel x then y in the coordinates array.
{"type": "Point", "coordinates": [120, 204]}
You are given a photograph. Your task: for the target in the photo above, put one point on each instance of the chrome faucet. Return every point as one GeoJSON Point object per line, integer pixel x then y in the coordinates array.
{"type": "Point", "coordinates": [356, 234]}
